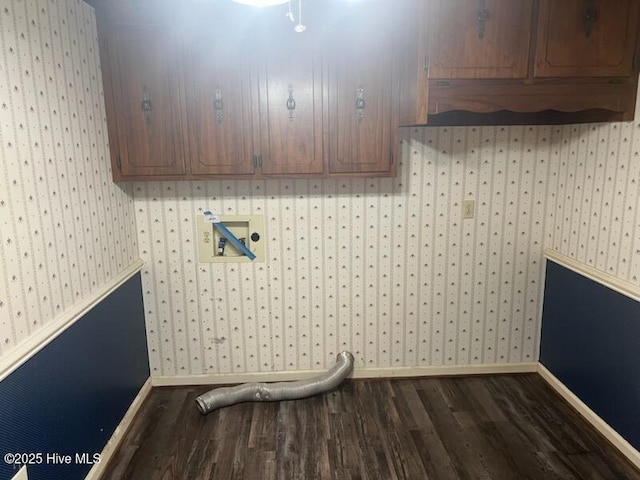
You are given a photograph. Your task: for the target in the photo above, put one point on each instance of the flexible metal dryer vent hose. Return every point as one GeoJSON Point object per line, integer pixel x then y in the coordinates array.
{"type": "Point", "coordinates": [273, 392]}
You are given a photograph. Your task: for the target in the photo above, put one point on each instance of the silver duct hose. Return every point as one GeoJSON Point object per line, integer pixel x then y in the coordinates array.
{"type": "Point", "coordinates": [273, 392]}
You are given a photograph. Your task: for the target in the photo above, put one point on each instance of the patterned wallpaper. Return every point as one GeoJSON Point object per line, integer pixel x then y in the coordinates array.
{"type": "Point", "coordinates": [65, 228]}
{"type": "Point", "coordinates": [597, 205]}
{"type": "Point", "coordinates": [386, 268]}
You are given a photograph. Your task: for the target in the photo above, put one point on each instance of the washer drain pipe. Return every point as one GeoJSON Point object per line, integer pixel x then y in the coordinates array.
{"type": "Point", "coordinates": [273, 392]}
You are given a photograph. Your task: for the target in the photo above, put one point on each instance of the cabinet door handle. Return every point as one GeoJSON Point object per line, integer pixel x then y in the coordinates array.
{"type": "Point", "coordinates": [483, 16]}
{"type": "Point", "coordinates": [146, 104]}
{"type": "Point", "coordinates": [218, 105]}
{"type": "Point", "coordinates": [291, 102]}
{"type": "Point", "coordinates": [360, 103]}
{"type": "Point", "coordinates": [590, 17]}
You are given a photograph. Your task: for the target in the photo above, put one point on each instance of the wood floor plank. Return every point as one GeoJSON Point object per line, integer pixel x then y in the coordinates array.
{"type": "Point", "coordinates": [503, 427]}
{"type": "Point", "coordinates": [437, 399]}
{"type": "Point", "coordinates": [429, 447]}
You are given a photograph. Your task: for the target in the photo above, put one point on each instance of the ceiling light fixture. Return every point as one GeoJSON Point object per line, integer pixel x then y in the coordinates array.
{"type": "Point", "coordinates": [299, 28]}
{"type": "Point", "coordinates": [261, 3]}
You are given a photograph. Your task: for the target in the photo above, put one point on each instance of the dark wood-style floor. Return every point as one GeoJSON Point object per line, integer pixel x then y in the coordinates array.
{"type": "Point", "coordinates": [493, 427]}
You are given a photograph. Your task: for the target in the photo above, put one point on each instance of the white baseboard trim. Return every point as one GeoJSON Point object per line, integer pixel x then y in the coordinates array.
{"type": "Point", "coordinates": [112, 445]}
{"type": "Point", "coordinates": [614, 283]}
{"type": "Point", "coordinates": [603, 427]}
{"type": "Point", "coordinates": [16, 357]}
{"type": "Point", "coordinates": [388, 372]}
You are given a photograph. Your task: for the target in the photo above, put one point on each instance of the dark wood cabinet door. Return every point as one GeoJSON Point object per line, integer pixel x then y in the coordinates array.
{"type": "Point", "coordinates": [586, 38]}
{"type": "Point", "coordinates": [363, 103]}
{"type": "Point", "coordinates": [479, 38]}
{"type": "Point", "coordinates": [218, 92]}
{"type": "Point", "coordinates": [290, 92]}
{"type": "Point", "coordinates": [145, 103]}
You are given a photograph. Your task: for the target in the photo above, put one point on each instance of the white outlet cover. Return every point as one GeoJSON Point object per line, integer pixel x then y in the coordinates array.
{"type": "Point", "coordinates": [468, 209]}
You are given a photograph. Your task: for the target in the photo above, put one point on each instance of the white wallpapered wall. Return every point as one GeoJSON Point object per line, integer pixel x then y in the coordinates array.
{"type": "Point", "coordinates": [387, 268]}
{"type": "Point", "coordinates": [65, 228]}
{"type": "Point", "coordinates": [596, 201]}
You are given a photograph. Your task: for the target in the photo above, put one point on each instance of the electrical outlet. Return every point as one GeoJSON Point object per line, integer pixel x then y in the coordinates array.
{"type": "Point", "coordinates": [468, 209]}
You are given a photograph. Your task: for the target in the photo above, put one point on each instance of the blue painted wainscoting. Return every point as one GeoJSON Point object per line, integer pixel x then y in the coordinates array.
{"type": "Point", "coordinates": [591, 343]}
{"type": "Point", "coordinates": [69, 397]}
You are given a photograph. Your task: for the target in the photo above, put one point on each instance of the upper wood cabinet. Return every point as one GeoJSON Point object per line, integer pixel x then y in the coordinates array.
{"type": "Point", "coordinates": [290, 93]}
{"type": "Point", "coordinates": [586, 38]}
{"type": "Point", "coordinates": [216, 73]}
{"type": "Point", "coordinates": [362, 107]}
{"type": "Point", "coordinates": [221, 90]}
{"type": "Point", "coordinates": [479, 38]}
{"type": "Point", "coordinates": [253, 91]}
{"type": "Point", "coordinates": [529, 56]}
{"type": "Point", "coordinates": [143, 101]}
